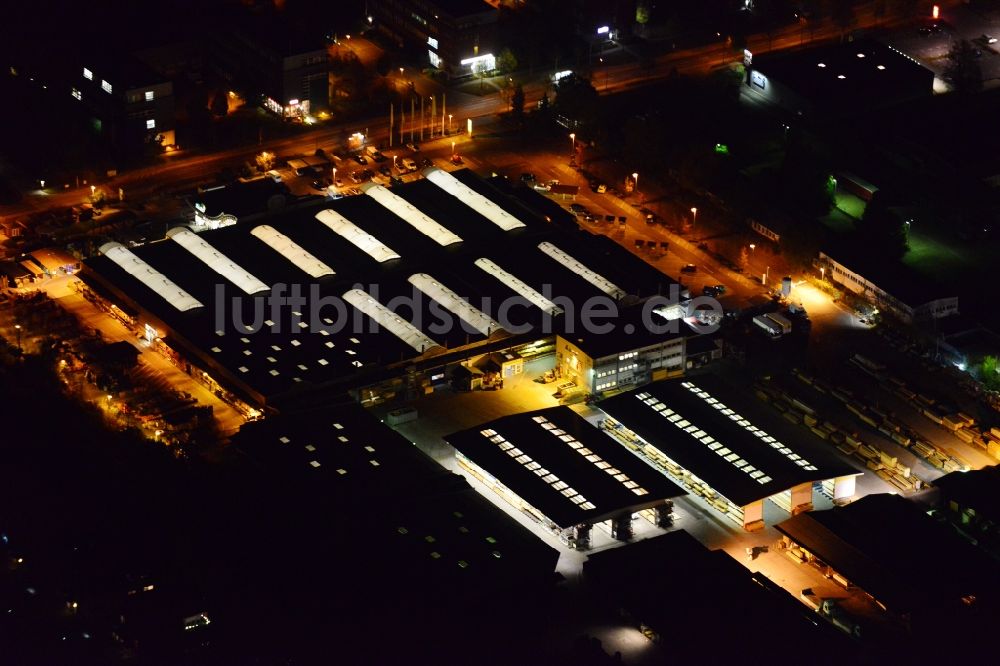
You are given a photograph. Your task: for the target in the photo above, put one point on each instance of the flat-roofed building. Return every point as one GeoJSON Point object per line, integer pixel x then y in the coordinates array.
{"type": "Point", "coordinates": [376, 275]}
{"type": "Point", "coordinates": [565, 474]}
{"type": "Point", "coordinates": [717, 453]}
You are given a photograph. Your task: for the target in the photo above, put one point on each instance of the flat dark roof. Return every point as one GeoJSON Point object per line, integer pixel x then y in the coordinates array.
{"type": "Point", "coordinates": [864, 73]}
{"type": "Point", "coordinates": [689, 594]}
{"type": "Point", "coordinates": [566, 472]}
{"type": "Point", "coordinates": [342, 449]}
{"type": "Point", "coordinates": [892, 549]}
{"type": "Point", "coordinates": [241, 199]}
{"type": "Point", "coordinates": [978, 490]}
{"type": "Point", "coordinates": [701, 433]}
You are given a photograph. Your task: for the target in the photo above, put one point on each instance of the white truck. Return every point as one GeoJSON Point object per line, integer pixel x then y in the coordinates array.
{"type": "Point", "coordinates": [773, 324]}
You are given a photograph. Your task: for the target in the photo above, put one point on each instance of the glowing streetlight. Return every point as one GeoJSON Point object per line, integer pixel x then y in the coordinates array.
{"type": "Point", "coordinates": [694, 216]}
{"type": "Point", "coordinates": [93, 189]}
{"type": "Point", "coordinates": [752, 247]}
{"type": "Point", "coordinates": [17, 327]}
{"type": "Point", "coordinates": [572, 138]}
{"type": "Point", "coordinates": [453, 148]}
{"type": "Point", "coordinates": [822, 272]}
{"type": "Point", "coordinates": [449, 123]}
{"type": "Point", "coordinates": [401, 71]}
{"type": "Point", "coordinates": [635, 180]}
{"type": "Point", "coordinates": [334, 176]}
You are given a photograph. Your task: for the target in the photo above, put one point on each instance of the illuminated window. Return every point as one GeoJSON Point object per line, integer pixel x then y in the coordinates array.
{"type": "Point", "coordinates": [76, 94]}
{"type": "Point", "coordinates": [87, 74]}
{"type": "Point", "coordinates": [149, 95]}
{"type": "Point", "coordinates": [105, 86]}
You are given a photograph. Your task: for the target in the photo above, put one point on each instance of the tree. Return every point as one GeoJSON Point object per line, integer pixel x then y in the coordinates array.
{"type": "Point", "coordinates": [963, 70]}
{"type": "Point", "coordinates": [642, 12]}
{"type": "Point", "coordinates": [517, 102]}
{"type": "Point", "coordinates": [989, 373]}
{"type": "Point", "coordinates": [481, 70]}
{"type": "Point", "coordinates": [577, 100]}
{"type": "Point", "coordinates": [506, 62]}
{"type": "Point", "coordinates": [881, 232]}
{"type": "Point", "coordinates": [265, 160]}
{"type": "Point", "coordinates": [220, 105]}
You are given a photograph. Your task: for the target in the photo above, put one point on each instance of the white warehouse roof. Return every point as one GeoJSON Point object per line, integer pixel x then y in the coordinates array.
{"type": "Point", "coordinates": [531, 294]}
{"type": "Point", "coordinates": [567, 260]}
{"type": "Point", "coordinates": [411, 214]}
{"type": "Point", "coordinates": [217, 261]}
{"type": "Point", "coordinates": [150, 277]}
{"type": "Point", "coordinates": [357, 236]}
{"type": "Point", "coordinates": [455, 304]}
{"type": "Point", "coordinates": [472, 199]}
{"type": "Point", "coordinates": [395, 324]}
{"type": "Point", "coordinates": [289, 249]}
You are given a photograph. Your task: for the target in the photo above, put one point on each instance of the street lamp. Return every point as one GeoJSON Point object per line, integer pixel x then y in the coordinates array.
{"type": "Point", "coordinates": [822, 272]}
{"type": "Point", "coordinates": [401, 71]}
{"type": "Point", "coordinates": [752, 247]}
{"type": "Point", "coordinates": [635, 181]}
{"type": "Point", "coordinates": [93, 189]}
{"type": "Point", "coordinates": [449, 123]}
{"type": "Point", "coordinates": [17, 327]}
{"type": "Point", "coordinates": [694, 216]}
{"type": "Point", "coordinates": [572, 138]}
{"type": "Point", "coordinates": [334, 176]}
{"type": "Point", "coordinates": [452, 148]}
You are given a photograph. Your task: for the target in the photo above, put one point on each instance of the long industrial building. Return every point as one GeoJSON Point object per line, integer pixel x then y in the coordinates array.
{"type": "Point", "coordinates": [345, 294]}
{"type": "Point", "coordinates": [718, 454]}
{"type": "Point", "coordinates": [564, 473]}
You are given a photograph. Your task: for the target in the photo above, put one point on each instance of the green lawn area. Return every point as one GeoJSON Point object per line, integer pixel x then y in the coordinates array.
{"type": "Point", "coordinates": [933, 258]}
{"type": "Point", "coordinates": [850, 204]}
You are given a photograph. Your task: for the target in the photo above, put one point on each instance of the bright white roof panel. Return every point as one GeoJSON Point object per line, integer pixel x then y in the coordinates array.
{"type": "Point", "coordinates": [567, 260]}
{"type": "Point", "coordinates": [215, 260]}
{"type": "Point", "coordinates": [455, 304]}
{"type": "Point", "coordinates": [395, 324]}
{"type": "Point", "coordinates": [529, 293]}
{"type": "Point", "coordinates": [150, 277]}
{"type": "Point", "coordinates": [289, 249]}
{"type": "Point", "coordinates": [473, 199]}
{"type": "Point", "coordinates": [404, 209]}
{"type": "Point", "coordinates": [357, 236]}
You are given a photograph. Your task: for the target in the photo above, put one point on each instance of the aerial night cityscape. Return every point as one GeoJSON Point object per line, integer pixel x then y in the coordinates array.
{"type": "Point", "coordinates": [499, 332]}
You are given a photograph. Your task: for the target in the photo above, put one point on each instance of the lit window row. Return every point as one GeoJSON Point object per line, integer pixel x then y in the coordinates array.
{"type": "Point", "coordinates": [545, 475]}
{"type": "Point", "coordinates": [606, 385]}
{"type": "Point", "coordinates": [722, 451]}
{"type": "Point", "coordinates": [733, 416]}
{"type": "Point", "coordinates": [626, 356]}
{"type": "Point", "coordinates": [591, 457]}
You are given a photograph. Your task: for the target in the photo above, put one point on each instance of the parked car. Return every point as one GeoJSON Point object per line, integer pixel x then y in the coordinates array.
{"type": "Point", "coordinates": [385, 171]}
{"type": "Point", "coordinates": [360, 159]}
{"type": "Point", "coordinates": [542, 187]}
{"type": "Point", "coordinates": [578, 208]}
{"type": "Point", "coordinates": [414, 147]}
{"type": "Point", "coordinates": [689, 268]}
{"type": "Point", "coordinates": [408, 164]}
{"type": "Point", "coordinates": [305, 171]}
{"type": "Point", "coordinates": [426, 162]}
{"type": "Point", "coordinates": [601, 188]}
{"type": "Point", "coordinates": [318, 185]}
{"type": "Point", "coordinates": [457, 159]}
{"type": "Point", "coordinates": [527, 177]}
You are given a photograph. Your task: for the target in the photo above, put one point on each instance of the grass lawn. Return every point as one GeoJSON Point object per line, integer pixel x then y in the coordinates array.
{"type": "Point", "coordinates": [935, 259]}
{"type": "Point", "coordinates": [838, 221]}
{"type": "Point", "coordinates": [849, 204]}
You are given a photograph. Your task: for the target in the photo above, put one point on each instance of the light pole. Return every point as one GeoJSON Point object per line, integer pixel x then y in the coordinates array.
{"type": "Point", "coordinates": [449, 123]}
{"type": "Point", "coordinates": [572, 138]}
{"type": "Point", "coordinates": [635, 181]}
{"type": "Point", "coordinates": [17, 327]}
{"type": "Point", "coordinates": [334, 176]}
{"type": "Point", "coordinates": [694, 216]}
{"type": "Point", "coordinates": [822, 272]}
{"type": "Point", "coordinates": [453, 149]}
